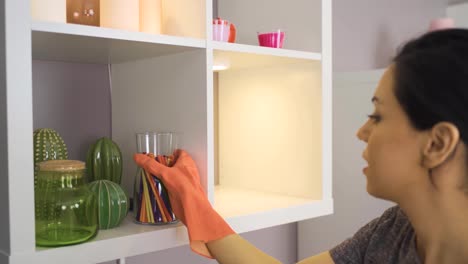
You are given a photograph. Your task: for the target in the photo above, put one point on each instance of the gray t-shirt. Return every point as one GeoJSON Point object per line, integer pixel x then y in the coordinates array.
{"type": "Point", "coordinates": [387, 239]}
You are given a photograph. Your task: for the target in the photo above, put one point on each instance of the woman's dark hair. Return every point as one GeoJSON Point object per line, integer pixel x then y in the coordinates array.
{"type": "Point", "coordinates": [431, 79]}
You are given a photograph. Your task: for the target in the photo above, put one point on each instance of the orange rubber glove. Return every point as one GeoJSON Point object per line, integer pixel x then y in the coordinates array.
{"type": "Point", "coordinates": [188, 200]}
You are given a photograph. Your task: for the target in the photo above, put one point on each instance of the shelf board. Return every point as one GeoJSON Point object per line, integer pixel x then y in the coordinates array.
{"type": "Point", "coordinates": [89, 44]}
{"type": "Point", "coordinates": [240, 56]}
{"type": "Point", "coordinates": [248, 210]}
{"type": "Point", "coordinates": [244, 210]}
{"type": "Point", "coordinates": [129, 239]}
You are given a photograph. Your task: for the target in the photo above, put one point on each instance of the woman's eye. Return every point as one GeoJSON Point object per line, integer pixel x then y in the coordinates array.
{"type": "Point", "coordinates": [375, 118]}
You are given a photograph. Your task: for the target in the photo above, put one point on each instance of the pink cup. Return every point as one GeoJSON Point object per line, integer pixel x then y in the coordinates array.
{"type": "Point", "coordinates": [221, 29]}
{"type": "Point", "coordinates": [273, 39]}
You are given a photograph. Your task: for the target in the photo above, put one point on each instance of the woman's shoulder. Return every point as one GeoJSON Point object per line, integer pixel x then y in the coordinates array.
{"type": "Point", "coordinates": [393, 238]}
{"type": "Point", "coordinates": [393, 214]}
{"type": "Point", "coordinates": [386, 239]}
{"type": "Point", "coordinates": [393, 211]}
{"type": "Point", "coordinates": [391, 218]}
{"type": "Point", "coordinates": [392, 221]}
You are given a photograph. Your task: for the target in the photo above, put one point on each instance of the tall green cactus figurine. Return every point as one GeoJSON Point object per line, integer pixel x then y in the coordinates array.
{"type": "Point", "coordinates": [48, 145]}
{"type": "Point", "coordinates": [104, 161]}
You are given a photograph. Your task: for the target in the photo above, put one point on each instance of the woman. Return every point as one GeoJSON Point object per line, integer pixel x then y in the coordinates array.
{"type": "Point", "coordinates": [417, 157]}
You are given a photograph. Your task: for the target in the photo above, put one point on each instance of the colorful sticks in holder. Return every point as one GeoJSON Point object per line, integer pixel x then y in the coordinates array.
{"type": "Point", "coordinates": [151, 200]}
{"type": "Point", "coordinates": [152, 205]}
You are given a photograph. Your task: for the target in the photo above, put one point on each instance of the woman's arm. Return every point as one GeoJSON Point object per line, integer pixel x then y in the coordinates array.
{"type": "Point", "coordinates": [322, 258]}
{"type": "Point", "coordinates": [233, 249]}
{"type": "Point", "coordinates": [209, 234]}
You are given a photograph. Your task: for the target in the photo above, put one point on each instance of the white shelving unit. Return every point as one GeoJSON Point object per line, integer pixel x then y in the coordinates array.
{"type": "Point", "coordinates": [259, 131]}
{"type": "Point", "coordinates": [86, 44]}
{"type": "Point", "coordinates": [241, 56]}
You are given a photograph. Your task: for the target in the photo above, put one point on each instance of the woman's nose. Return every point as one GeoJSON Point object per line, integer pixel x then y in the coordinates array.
{"type": "Point", "coordinates": [363, 132]}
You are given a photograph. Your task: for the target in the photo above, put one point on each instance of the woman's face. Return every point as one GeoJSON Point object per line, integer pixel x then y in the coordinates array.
{"type": "Point", "coordinates": [394, 147]}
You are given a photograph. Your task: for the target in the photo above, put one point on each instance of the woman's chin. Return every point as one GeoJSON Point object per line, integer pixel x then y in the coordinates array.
{"type": "Point", "coordinates": [378, 192]}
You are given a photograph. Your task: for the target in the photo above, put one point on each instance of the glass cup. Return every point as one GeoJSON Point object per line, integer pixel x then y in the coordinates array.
{"type": "Point", "coordinates": [221, 30]}
{"type": "Point", "coordinates": [273, 39]}
{"type": "Point", "coordinates": [151, 199]}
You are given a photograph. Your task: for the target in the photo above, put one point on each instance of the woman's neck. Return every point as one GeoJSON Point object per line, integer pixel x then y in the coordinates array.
{"type": "Point", "coordinates": [440, 220]}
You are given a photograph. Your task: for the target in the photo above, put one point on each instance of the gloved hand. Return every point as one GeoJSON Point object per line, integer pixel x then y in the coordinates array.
{"type": "Point", "coordinates": [188, 200]}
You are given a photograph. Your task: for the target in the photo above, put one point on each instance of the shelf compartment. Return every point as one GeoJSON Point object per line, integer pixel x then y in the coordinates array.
{"type": "Point", "coordinates": [268, 136]}
{"type": "Point", "coordinates": [239, 56]}
{"type": "Point", "coordinates": [248, 210]}
{"type": "Point", "coordinates": [130, 239]}
{"type": "Point", "coordinates": [301, 20]}
{"type": "Point", "coordinates": [183, 18]}
{"type": "Point", "coordinates": [161, 94]}
{"type": "Point", "coordinates": [232, 202]}
{"type": "Point", "coordinates": [88, 44]}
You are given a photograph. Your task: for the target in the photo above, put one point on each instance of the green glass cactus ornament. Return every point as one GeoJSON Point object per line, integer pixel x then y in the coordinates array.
{"type": "Point", "coordinates": [104, 161]}
{"type": "Point", "coordinates": [48, 145]}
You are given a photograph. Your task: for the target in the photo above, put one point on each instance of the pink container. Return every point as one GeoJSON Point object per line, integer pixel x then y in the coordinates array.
{"type": "Point", "coordinates": [221, 30]}
{"type": "Point", "coordinates": [273, 39]}
{"type": "Point", "coordinates": [441, 23]}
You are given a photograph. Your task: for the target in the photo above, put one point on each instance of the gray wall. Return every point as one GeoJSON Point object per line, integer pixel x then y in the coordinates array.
{"type": "Point", "coordinates": [366, 34]}
{"type": "Point", "coordinates": [60, 87]}
{"type": "Point", "coordinates": [453, 2]}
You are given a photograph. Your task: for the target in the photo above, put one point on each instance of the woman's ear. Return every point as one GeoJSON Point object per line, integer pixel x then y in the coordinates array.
{"type": "Point", "coordinates": [440, 145]}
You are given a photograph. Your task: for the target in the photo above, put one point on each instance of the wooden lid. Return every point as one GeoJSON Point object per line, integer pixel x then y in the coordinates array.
{"type": "Point", "coordinates": [61, 165]}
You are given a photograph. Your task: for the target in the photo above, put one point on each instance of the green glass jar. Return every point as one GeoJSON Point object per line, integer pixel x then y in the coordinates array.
{"type": "Point", "coordinates": [65, 207]}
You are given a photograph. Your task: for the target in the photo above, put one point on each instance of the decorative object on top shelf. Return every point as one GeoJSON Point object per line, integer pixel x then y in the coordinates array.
{"type": "Point", "coordinates": [112, 203]}
{"type": "Point", "coordinates": [104, 161]}
{"type": "Point", "coordinates": [150, 16]}
{"type": "Point", "coordinates": [48, 145]}
{"type": "Point", "coordinates": [120, 14]}
{"type": "Point", "coordinates": [441, 23]}
{"type": "Point", "coordinates": [66, 209]}
{"type": "Point", "coordinates": [184, 18]}
{"type": "Point", "coordinates": [273, 39]}
{"type": "Point", "coordinates": [224, 30]}
{"type": "Point", "coordinates": [85, 12]}
{"type": "Point", "coordinates": [49, 10]}
{"type": "Point", "coordinates": [150, 197]}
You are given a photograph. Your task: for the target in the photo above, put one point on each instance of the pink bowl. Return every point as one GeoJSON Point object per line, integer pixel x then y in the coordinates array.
{"type": "Point", "coordinates": [271, 39]}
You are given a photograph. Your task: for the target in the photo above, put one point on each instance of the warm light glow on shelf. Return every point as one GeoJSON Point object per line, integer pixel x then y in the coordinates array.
{"type": "Point", "coordinates": [220, 67]}
{"type": "Point", "coordinates": [221, 63]}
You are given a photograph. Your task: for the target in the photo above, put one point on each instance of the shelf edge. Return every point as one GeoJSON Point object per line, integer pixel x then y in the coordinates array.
{"type": "Point", "coordinates": [109, 33]}
{"type": "Point", "coordinates": [234, 47]}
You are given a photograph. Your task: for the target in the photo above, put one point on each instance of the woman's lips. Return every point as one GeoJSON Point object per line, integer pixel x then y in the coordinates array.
{"type": "Point", "coordinates": [364, 170]}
